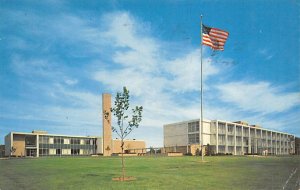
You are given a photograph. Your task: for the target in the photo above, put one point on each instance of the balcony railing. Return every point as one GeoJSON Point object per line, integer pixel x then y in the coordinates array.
{"type": "Point", "coordinates": [30, 145]}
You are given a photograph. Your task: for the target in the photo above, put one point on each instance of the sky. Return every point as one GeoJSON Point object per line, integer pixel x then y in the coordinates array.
{"type": "Point", "coordinates": [58, 57]}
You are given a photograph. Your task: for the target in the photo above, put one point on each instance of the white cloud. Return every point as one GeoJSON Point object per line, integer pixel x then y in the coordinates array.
{"type": "Point", "coordinates": [32, 67]}
{"type": "Point", "coordinates": [258, 97]}
{"type": "Point", "coordinates": [77, 111]}
{"type": "Point", "coordinates": [155, 81]}
{"type": "Point", "coordinates": [162, 93]}
{"type": "Point", "coordinates": [71, 81]}
{"type": "Point", "coordinates": [126, 31]}
{"type": "Point", "coordinates": [186, 71]}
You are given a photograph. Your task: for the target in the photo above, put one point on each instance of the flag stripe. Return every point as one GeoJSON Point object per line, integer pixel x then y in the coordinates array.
{"type": "Point", "coordinates": [212, 45]}
{"type": "Point", "coordinates": [213, 42]}
{"type": "Point", "coordinates": [219, 31]}
{"type": "Point", "coordinates": [218, 36]}
{"type": "Point", "coordinates": [221, 42]}
{"type": "Point", "coordinates": [215, 47]}
{"type": "Point", "coordinates": [214, 37]}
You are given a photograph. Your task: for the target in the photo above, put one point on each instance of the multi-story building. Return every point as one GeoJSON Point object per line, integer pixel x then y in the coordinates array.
{"type": "Point", "coordinates": [222, 137]}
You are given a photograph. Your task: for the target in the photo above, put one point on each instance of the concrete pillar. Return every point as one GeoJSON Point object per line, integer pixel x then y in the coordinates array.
{"type": "Point", "coordinates": [280, 142]}
{"type": "Point", "coordinates": [37, 146]}
{"type": "Point", "coordinates": [226, 138]}
{"type": "Point", "coordinates": [261, 141]}
{"type": "Point", "coordinates": [242, 139]}
{"type": "Point", "coordinates": [106, 125]}
{"type": "Point", "coordinates": [217, 137]}
{"type": "Point", "coordinates": [287, 144]}
{"type": "Point", "coordinates": [234, 139]}
{"type": "Point", "coordinates": [276, 145]}
{"type": "Point", "coordinates": [271, 142]}
{"type": "Point", "coordinates": [266, 141]}
{"type": "Point", "coordinates": [255, 141]}
{"type": "Point", "coordinates": [249, 140]}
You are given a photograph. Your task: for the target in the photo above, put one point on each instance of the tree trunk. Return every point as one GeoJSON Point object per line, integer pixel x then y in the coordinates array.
{"type": "Point", "coordinates": [123, 165]}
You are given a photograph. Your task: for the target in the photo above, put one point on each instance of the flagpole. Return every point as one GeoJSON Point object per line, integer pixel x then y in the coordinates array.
{"type": "Point", "coordinates": [201, 117]}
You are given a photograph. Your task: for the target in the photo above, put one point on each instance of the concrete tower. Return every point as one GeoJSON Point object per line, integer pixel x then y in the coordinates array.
{"type": "Point", "coordinates": [106, 124]}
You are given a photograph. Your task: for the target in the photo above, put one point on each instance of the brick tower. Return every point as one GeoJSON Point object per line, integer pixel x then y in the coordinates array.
{"type": "Point", "coordinates": [106, 125]}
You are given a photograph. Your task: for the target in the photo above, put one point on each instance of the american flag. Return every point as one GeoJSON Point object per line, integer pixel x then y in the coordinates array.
{"type": "Point", "coordinates": [214, 37]}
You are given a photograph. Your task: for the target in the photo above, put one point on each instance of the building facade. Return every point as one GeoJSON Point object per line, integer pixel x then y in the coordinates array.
{"type": "Point", "coordinates": [223, 137]}
{"type": "Point", "coordinates": [38, 144]}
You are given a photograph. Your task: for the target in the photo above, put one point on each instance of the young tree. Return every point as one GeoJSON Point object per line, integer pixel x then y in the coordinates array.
{"type": "Point", "coordinates": [12, 151]}
{"type": "Point", "coordinates": [125, 122]}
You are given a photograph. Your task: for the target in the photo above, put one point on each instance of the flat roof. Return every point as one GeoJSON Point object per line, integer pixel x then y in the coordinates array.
{"type": "Point", "coordinates": [230, 122]}
{"type": "Point", "coordinates": [254, 127]}
{"type": "Point", "coordinates": [187, 121]}
{"type": "Point", "coordinates": [24, 133]}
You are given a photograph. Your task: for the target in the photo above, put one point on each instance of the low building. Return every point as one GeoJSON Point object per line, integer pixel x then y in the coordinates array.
{"type": "Point", "coordinates": [223, 137]}
{"type": "Point", "coordinates": [37, 144]}
{"type": "Point", "coordinates": [130, 146]}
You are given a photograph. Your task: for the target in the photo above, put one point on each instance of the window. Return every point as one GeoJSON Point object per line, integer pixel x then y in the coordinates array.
{"type": "Point", "coordinates": [239, 130]}
{"type": "Point", "coordinates": [43, 140]}
{"type": "Point", "coordinates": [43, 152]}
{"type": "Point", "coordinates": [222, 139]}
{"type": "Point", "coordinates": [221, 128]}
{"type": "Point", "coordinates": [193, 127]}
{"type": "Point", "coordinates": [92, 142]}
{"type": "Point", "coordinates": [30, 140]}
{"type": "Point", "coordinates": [85, 151]}
{"type": "Point", "coordinates": [87, 141]}
{"type": "Point", "coordinates": [75, 141]}
{"type": "Point", "coordinates": [230, 140]}
{"type": "Point", "coordinates": [230, 129]}
{"type": "Point", "coordinates": [193, 138]}
{"type": "Point", "coordinates": [75, 151]}
{"type": "Point", "coordinates": [58, 140]}
{"type": "Point", "coordinates": [40, 151]}
{"type": "Point", "coordinates": [58, 151]}
{"type": "Point", "coordinates": [66, 141]}
{"type": "Point", "coordinates": [246, 132]}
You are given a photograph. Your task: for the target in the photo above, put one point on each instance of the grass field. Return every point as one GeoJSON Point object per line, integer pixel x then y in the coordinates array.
{"type": "Point", "coordinates": [151, 173]}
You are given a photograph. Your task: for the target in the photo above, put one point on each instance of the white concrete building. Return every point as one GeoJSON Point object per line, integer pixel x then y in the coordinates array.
{"type": "Point", "coordinates": [223, 137]}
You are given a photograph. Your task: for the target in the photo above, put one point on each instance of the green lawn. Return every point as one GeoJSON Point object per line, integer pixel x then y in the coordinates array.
{"type": "Point", "coordinates": [151, 173]}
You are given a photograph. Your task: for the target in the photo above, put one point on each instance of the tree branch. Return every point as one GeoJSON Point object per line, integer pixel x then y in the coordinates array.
{"type": "Point", "coordinates": [126, 128]}
{"type": "Point", "coordinates": [116, 131]}
{"type": "Point", "coordinates": [128, 134]}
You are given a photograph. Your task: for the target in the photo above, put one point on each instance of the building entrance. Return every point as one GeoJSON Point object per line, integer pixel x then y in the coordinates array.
{"type": "Point", "coordinates": [31, 152]}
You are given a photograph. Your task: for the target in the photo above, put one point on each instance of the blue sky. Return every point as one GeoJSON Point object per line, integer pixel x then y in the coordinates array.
{"type": "Point", "coordinates": [58, 57]}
